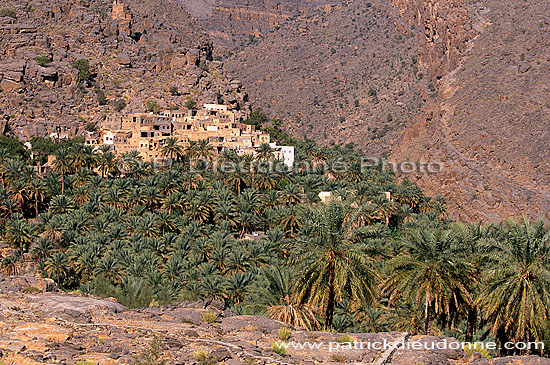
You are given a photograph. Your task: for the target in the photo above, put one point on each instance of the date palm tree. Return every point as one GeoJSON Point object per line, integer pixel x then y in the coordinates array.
{"type": "Point", "coordinates": [333, 264]}
{"type": "Point", "coordinates": [171, 149]}
{"type": "Point", "coordinates": [57, 267]}
{"type": "Point", "coordinates": [204, 150]}
{"type": "Point", "coordinates": [107, 163]}
{"type": "Point", "coordinates": [35, 191]}
{"type": "Point", "coordinates": [273, 291]}
{"type": "Point", "coordinates": [238, 178]}
{"type": "Point", "coordinates": [431, 274]}
{"type": "Point", "coordinates": [20, 234]}
{"type": "Point", "coordinates": [516, 292]}
{"type": "Point", "coordinates": [264, 153]}
{"type": "Point", "coordinates": [62, 165]}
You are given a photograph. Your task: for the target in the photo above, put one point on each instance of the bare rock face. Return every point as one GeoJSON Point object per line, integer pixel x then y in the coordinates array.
{"type": "Point", "coordinates": [459, 83]}
{"type": "Point", "coordinates": [135, 51]}
{"type": "Point", "coordinates": [489, 125]}
{"type": "Point", "coordinates": [26, 283]}
{"type": "Point", "coordinates": [342, 76]}
{"type": "Point", "coordinates": [33, 330]}
{"type": "Point", "coordinates": [232, 23]}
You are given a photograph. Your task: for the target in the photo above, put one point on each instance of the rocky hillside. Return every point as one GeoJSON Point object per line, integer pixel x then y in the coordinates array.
{"type": "Point", "coordinates": [458, 82]}
{"type": "Point", "coordinates": [74, 62]}
{"type": "Point", "coordinates": [235, 24]}
{"type": "Point", "coordinates": [491, 123]}
{"type": "Point", "coordinates": [348, 76]}
{"type": "Point", "coordinates": [40, 325]}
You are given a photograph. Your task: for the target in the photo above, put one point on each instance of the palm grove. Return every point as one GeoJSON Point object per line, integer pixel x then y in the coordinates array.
{"type": "Point", "coordinates": [149, 235]}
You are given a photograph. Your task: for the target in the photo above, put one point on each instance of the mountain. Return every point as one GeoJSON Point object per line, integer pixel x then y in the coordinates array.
{"type": "Point", "coordinates": [463, 84]}
{"type": "Point", "coordinates": [66, 64]}
{"type": "Point", "coordinates": [460, 83]}
{"type": "Point", "coordinates": [234, 24]}
{"type": "Point", "coordinates": [490, 125]}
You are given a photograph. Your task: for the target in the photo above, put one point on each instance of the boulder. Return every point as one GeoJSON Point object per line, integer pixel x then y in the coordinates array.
{"type": "Point", "coordinates": [123, 60]}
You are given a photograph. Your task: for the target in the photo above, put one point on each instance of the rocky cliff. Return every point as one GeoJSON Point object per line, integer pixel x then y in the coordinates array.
{"type": "Point", "coordinates": [235, 24]}
{"type": "Point", "coordinates": [490, 124]}
{"type": "Point", "coordinates": [346, 76]}
{"type": "Point", "coordinates": [457, 82]}
{"type": "Point", "coordinates": [128, 53]}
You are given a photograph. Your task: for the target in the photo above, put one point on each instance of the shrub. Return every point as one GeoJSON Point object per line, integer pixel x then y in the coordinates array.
{"type": "Point", "coordinates": [101, 98]}
{"type": "Point", "coordinates": [174, 90]}
{"type": "Point", "coordinates": [13, 146]}
{"type": "Point", "coordinates": [204, 358]}
{"type": "Point", "coordinates": [83, 67]}
{"type": "Point", "coordinates": [120, 104]}
{"type": "Point", "coordinates": [209, 317]}
{"type": "Point", "coordinates": [90, 127]}
{"type": "Point", "coordinates": [152, 354]}
{"type": "Point", "coordinates": [31, 290]}
{"type": "Point", "coordinates": [345, 339]}
{"type": "Point", "coordinates": [152, 106]}
{"type": "Point", "coordinates": [279, 348]}
{"type": "Point", "coordinates": [190, 103]}
{"type": "Point", "coordinates": [284, 333]}
{"type": "Point", "coordinates": [257, 118]}
{"type": "Point", "coordinates": [477, 347]}
{"type": "Point", "coordinates": [338, 358]}
{"type": "Point", "coordinates": [43, 60]}
{"type": "Point", "coordinates": [8, 12]}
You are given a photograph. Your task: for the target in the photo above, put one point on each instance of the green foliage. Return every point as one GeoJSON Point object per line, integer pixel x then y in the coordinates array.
{"type": "Point", "coordinates": [204, 358]}
{"type": "Point", "coordinates": [279, 348]}
{"type": "Point", "coordinates": [209, 317]}
{"type": "Point", "coordinates": [101, 98]}
{"type": "Point", "coordinates": [257, 118]}
{"type": "Point", "coordinates": [8, 12]}
{"type": "Point", "coordinates": [90, 127]}
{"type": "Point", "coordinates": [43, 60]}
{"type": "Point", "coordinates": [152, 355]}
{"type": "Point", "coordinates": [13, 146]}
{"type": "Point", "coordinates": [470, 349]}
{"type": "Point", "coordinates": [190, 103]}
{"type": "Point", "coordinates": [31, 290]}
{"type": "Point", "coordinates": [284, 333]}
{"type": "Point", "coordinates": [120, 104]}
{"type": "Point", "coordinates": [83, 67]}
{"type": "Point", "coordinates": [174, 90]}
{"type": "Point", "coordinates": [345, 339]}
{"type": "Point", "coordinates": [44, 146]}
{"type": "Point", "coordinates": [152, 106]}
{"type": "Point", "coordinates": [114, 226]}
{"type": "Point", "coordinates": [132, 292]}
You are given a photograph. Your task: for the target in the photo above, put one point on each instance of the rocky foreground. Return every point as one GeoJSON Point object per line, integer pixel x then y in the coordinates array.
{"type": "Point", "coordinates": [39, 324]}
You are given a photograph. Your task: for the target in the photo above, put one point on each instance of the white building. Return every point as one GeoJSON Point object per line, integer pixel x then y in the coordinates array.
{"type": "Point", "coordinates": [284, 153]}
{"type": "Point", "coordinates": [109, 138]}
{"type": "Point", "coordinates": [216, 107]}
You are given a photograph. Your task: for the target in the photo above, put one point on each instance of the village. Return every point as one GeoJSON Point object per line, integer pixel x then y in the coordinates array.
{"type": "Point", "coordinates": [147, 133]}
